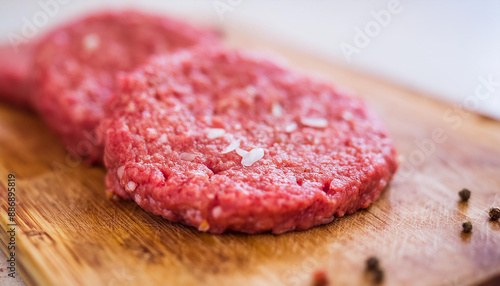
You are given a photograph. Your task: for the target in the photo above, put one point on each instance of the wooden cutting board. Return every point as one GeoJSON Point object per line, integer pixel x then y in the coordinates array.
{"type": "Point", "coordinates": [69, 233]}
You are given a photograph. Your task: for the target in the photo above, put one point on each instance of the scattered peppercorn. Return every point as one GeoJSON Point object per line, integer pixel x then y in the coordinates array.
{"type": "Point", "coordinates": [320, 278]}
{"type": "Point", "coordinates": [467, 227]}
{"type": "Point", "coordinates": [372, 263]}
{"type": "Point", "coordinates": [373, 268]}
{"type": "Point", "coordinates": [494, 213]}
{"type": "Point", "coordinates": [464, 195]}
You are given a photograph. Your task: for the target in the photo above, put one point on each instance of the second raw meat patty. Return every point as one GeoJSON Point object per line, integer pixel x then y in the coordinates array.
{"type": "Point", "coordinates": [76, 66]}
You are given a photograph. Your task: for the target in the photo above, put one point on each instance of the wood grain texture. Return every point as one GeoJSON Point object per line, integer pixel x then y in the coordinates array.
{"type": "Point", "coordinates": [69, 233]}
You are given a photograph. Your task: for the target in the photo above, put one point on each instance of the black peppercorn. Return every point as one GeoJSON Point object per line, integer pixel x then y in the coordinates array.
{"type": "Point", "coordinates": [494, 213]}
{"type": "Point", "coordinates": [467, 227]}
{"type": "Point", "coordinates": [464, 195]}
{"type": "Point", "coordinates": [373, 269]}
{"type": "Point", "coordinates": [372, 263]}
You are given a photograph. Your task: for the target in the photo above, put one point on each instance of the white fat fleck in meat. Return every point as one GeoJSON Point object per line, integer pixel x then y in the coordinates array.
{"type": "Point", "coordinates": [213, 133]}
{"type": "Point", "coordinates": [187, 156]}
{"type": "Point", "coordinates": [216, 212]}
{"type": "Point", "coordinates": [167, 213]}
{"type": "Point", "coordinates": [347, 116]}
{"type": "Point", "coordinates": [253, 156]}
{"type": "Point", "coordinates": [130, 187]}
{"type": "Point", "coordinates": [91, 42]}
{"type": "Point", "coordinates": [241, 152]}
{"type": "Point", "coordinates": [251, 90]}
{"type": "Point", "coordinates": [277, 109]}
{"type": "Point", "coordinates": [163, 138]}
{"type": "Point", "coordinates": [120, 171]}
{"type": "Point", "coordinates": [137, 199]}
{"type": "Point", "coordinates": [152, 133]}
{"type": "Point", "coordinates": [231, 147]}
{"type": "Point", "coordinates": [130, 107]}
{"type": "Point", "coordinates": [291, 127]}
{"type": "Point", "coordinates": [314, 122]}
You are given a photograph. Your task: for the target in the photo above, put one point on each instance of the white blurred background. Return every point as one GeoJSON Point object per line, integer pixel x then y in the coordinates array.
{"type": "Point", "coordinates": [441, 48]}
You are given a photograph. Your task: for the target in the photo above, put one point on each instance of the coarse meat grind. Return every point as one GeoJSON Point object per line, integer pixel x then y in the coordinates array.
{"type": "Point", "coordinates": [76, 66]}
{"type": "Point", "coordinates": [227, 141]}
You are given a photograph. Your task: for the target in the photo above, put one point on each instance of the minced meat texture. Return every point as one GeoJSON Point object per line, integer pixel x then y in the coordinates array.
{"type": "Point", "coordinates": [223, 140]}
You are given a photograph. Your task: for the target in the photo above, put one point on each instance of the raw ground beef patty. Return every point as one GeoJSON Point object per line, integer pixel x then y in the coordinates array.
{"type": "Point", "coordinates": [76, 65]}
{"type": "Point", "coordinates": [15, 74]}
{"type": "Point", "coordinates": [223, 140]}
